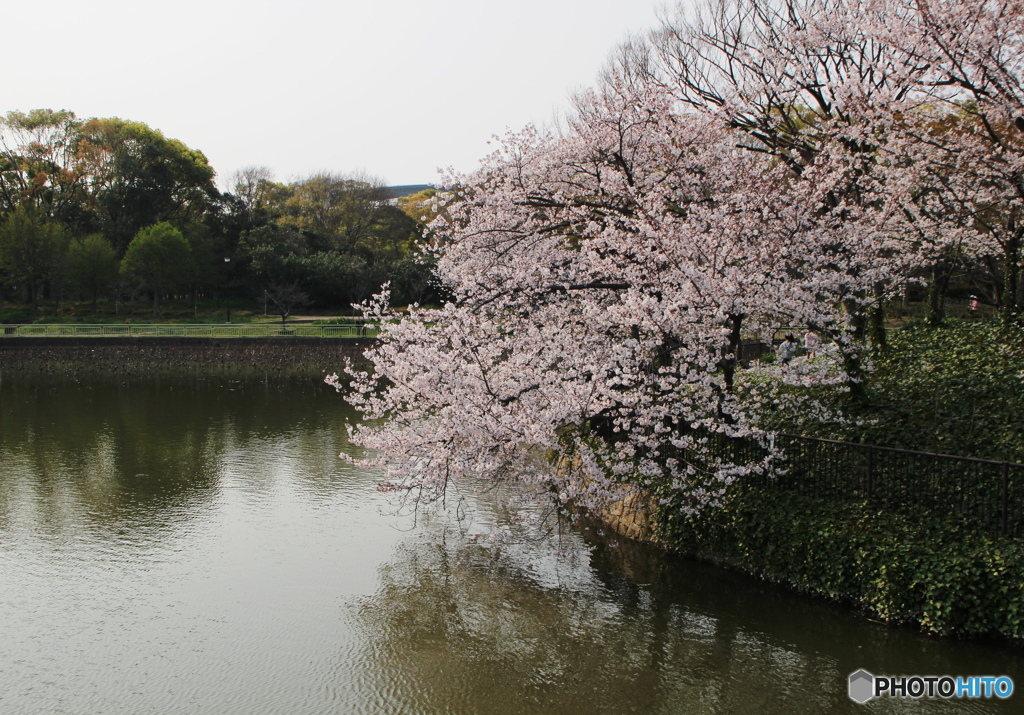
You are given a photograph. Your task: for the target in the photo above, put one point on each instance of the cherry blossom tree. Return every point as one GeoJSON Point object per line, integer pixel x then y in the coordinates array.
{"type": "Point", "coordinates": [974, 55]}
{"type": "Point", "coordinates": [924, 95]}
{"type": "Point", "coordinates": [762, 165]}
{"type": "Point", "coordinates": [602, 279]}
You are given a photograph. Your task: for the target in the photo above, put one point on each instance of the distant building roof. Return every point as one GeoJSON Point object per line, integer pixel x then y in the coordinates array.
{"type": "Point", "coordinates": [397, 192]}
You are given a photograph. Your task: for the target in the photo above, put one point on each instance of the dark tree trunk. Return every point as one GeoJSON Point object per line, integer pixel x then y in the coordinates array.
{"type": "Point", "coordinates": [1011, 279]}
{"type": "Point", "coordinates": [879, 339]}
{"type": "Point", "coordinates": [937, 287]}
{"type": "Point", "coordinates": [732, 356]}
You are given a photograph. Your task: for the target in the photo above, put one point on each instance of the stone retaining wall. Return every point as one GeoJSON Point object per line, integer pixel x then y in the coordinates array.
{"type": "Point", "coordinates": [81, 357]}
{"type": "Point", "coordinates": [632, 517]}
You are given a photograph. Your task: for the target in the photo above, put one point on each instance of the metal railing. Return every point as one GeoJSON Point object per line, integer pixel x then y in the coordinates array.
{"type": "Point", "coordinates": [985, 494]}
{"type": "Point", "coordinates": [222, 330]}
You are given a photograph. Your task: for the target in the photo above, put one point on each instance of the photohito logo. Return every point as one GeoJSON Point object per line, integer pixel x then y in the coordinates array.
{"type": "Point", "coordinates": [864, 686]}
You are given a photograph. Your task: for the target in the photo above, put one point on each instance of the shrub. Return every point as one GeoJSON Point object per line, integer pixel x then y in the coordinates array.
{"type": "Point", "coordinates": [901, 568]}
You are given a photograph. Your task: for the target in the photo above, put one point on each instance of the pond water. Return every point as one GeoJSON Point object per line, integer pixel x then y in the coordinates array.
{"type": "Point", "coordinates": [186, 547]}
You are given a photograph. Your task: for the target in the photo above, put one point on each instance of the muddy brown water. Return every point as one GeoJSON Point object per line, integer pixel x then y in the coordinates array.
{"type": "Point", "coordinates": [186, 546]}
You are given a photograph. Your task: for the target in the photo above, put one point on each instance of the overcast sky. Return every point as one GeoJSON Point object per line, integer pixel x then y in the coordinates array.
{"type": "Point", "coordinates": [395, 89]}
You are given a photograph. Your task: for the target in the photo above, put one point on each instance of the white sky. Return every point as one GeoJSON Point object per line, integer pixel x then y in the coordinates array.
{"type": "Point", "coordinates": [396, 89]}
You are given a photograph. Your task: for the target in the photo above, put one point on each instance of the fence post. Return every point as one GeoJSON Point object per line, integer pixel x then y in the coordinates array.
{"type": "Point", "coordinates": [1006, 506]}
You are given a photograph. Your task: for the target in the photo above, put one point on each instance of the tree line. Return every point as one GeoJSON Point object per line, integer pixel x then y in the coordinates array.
{"type": "Point", "coordinates": [111, 209]}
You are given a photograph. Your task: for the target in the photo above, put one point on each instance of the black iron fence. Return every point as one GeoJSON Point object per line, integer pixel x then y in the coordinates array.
{"type": "Point", "coordinates": [986, 494]}
{"type": "Point", "coordinates": [751, 350]}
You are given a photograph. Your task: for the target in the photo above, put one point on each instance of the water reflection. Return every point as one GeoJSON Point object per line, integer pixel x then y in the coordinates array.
{"type": "Point", "coordinates": [469, 626]}
{"type": "Point", "coordinates": [104, 452]}
{"type": "Point", "coordinates": [198, 547]}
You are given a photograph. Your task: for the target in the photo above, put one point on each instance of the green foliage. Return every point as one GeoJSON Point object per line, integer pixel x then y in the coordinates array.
{"type": "Point", "coordinates": [957, 389]}
{"type": "Point", "coordinates": [208, 250]}
{"type": "Point", "coordinates": [341, 212]}
{"type": "Point", "coordinates": [140, 177]}
{"type": "Point", "coordinates": [334, 278]}
{"type": "Point", "coordinates": [272, 253]}
{"type": "Point", "coordinates": [930, 571]}
{"type": "Point", "coordinates": [158, 259]}
{"type": "Point", "coordinates": [282, 255]}
{"type": "Point", "coordinates": [412, 281]}
{"type": "Point", "coordinates": [255, 198]}
{"type": "Point", "coordinates": [115, 177]}
{"type": "Point", "coordinates": [31, 249]}
{"type": "Point", "coordinates": [421, 206]}
{"type": "Point", "coordinates": [91, 265]}
{"type": "Point", "coordinates": [36, 163]}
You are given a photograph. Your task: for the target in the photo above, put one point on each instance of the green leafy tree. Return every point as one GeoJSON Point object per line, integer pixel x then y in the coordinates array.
{"type": "Point", "coordinates": [412, 281]}
{"type": "Point", "coordinates": [158, 259]}
{"type": "Point", "coordinates": [31, 250]}
{"type": "Point", "coordinates": [337, 279]}
{"type": "Point", "coordinates": [38, 164]}
{"type": "Point", "coordinates": [273, 254]}
{"type": "Point", "coordinates": [340, 211]}
{"type": "Point", "coordinates": [140, 178]}
{"type": "Point", "coordinates": [258, 199]}
{"type": "Point", "coordinates": [208, 251]}
{"type": "Point", "coordinates": [392, 237]}
{"type": "Point", "coordinates": [91, 265]}
{"type": "Point", "coordinates": [272, 257]}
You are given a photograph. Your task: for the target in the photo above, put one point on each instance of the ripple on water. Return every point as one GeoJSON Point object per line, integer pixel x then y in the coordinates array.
{"type": "Point", "coordinates": [210, 553]}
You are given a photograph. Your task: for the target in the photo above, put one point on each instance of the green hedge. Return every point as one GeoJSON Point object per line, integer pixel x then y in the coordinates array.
{"type": "Point", "coordinates": [899, 568]}
{"type": "Point", "coordinates": [957, 389]}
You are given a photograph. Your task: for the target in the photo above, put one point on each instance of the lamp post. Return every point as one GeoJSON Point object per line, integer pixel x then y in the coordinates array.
{"type": "Point", "coordinates": [227, 269]}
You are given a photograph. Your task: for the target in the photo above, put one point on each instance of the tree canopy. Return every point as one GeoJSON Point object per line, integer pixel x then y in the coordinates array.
{"type": "Point", "coordinates": [158, 259]}
{"type": "Point", "coordinates": [752, 166]}
{"type": "Point", "coordinates": [113, 178]}
{"type": "Point", "coordinates": [31, 250]}
{"type": "Point", "coordinates": [139, 178]}
{"type": "Point", "coordinates": [91, 265]}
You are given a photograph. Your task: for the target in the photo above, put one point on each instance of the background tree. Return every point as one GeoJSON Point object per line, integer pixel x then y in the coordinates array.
{"type": "Point", "coordinates": [339, 211]}
{"type": "Point", "coordinates": [91, 265]}
{"type": "Point", "coordinates": [338, 239]}
{"type": "Point", "coordinates": [31, 250]}
{"type": "Point", "coordinates": [258, 198]}
{"type": "Point", "coordinates": [138, 178]}
{"type": "Point", "coordinates": [283, 299]}
{"type": "Point", "coordinates": [39, 167]}
{"type": "Point", "coordinates": [423, 206]}
{"type": "Point", "coordinates": [339, 279]}
{"type": "Point", "coordinates": [272, 254]}
{"type": "Point", "coordinates": [411, 280]}
{"type": "Point", "coordinates": [115, 177]}
{"type": "Point", "coordinates": [208, 247]}
{"type": "Point", "coordinates": [391, 236]}
{"type": "Point", "coordinates": [159, 260]}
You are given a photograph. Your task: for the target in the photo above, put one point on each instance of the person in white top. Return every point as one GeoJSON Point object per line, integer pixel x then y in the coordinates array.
{"type": "Point", "coordinates": [811, 343]}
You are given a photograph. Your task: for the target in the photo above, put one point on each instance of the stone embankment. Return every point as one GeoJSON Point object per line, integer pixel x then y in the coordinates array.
{"type": "Point", "coordinates": [632, 517]}
{"type": "Point", "coordinates": [256, 357]}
